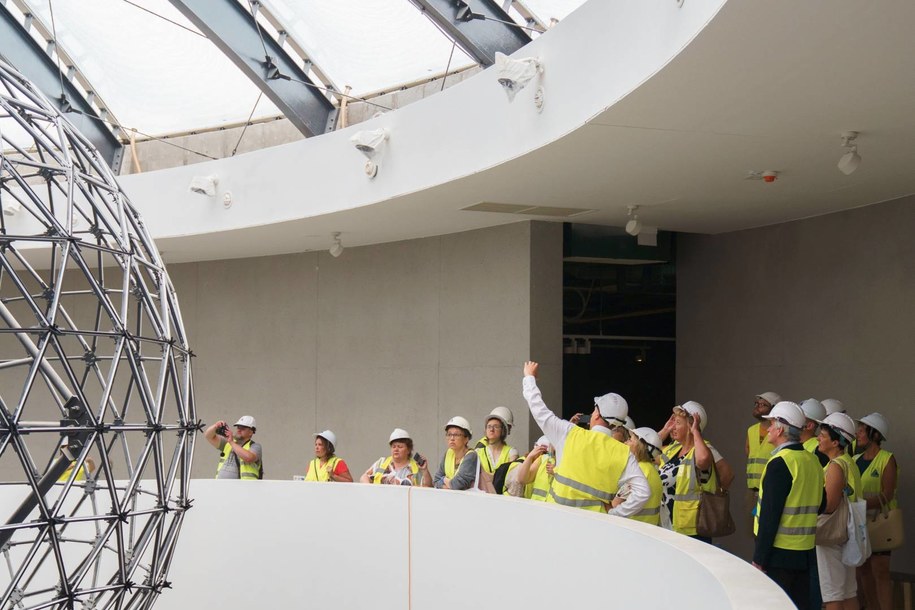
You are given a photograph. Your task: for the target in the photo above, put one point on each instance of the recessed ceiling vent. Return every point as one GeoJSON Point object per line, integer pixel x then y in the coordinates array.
{"type": "Point", "coordinates": [528, 210]}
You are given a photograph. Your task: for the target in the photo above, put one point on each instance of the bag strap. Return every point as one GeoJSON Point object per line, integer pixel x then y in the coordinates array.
{"type": "Point", "coordinates": [718, 488]}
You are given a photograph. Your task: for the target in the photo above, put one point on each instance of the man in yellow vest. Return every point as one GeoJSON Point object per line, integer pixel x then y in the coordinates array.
{"type": "Point", "coordinates": [758, 449]}
{"type": "Point", "coordinates": [240, 457]}
{"type": "Point", "coordinates": [790, 497]}
{"type": "Point", "coordinates": [591, 466]}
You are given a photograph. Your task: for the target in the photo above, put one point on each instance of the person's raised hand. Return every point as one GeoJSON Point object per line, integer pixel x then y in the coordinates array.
{"type": "Point", "coordinates": [530, 368]}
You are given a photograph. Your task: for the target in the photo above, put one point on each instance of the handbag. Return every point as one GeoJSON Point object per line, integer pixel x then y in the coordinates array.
{"type": "Point", "coordinates": [714, 519]}
{"type": "Point", "coordinates": [858, 548]}
{"type": "Point", "coordinates": [885, 529]}
{"type": "Point", "coordinates": [832, 528]}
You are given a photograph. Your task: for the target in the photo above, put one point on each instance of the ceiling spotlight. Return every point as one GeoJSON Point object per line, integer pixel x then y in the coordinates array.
{"type": "Point", "coordinates": [337, 248]}
{"type": "Point", "coordinates": [515, 74]}
{"type": "Point", "coordinates": [851, 159]}
{"type": "Point", "coordinates": [634, 226]}
{"type": "Point", "coordinates": [770, 176]}
{"type": "Point", "coordinates": [371, 144]}
{"type": "Point", "coordinates": [204, 185]}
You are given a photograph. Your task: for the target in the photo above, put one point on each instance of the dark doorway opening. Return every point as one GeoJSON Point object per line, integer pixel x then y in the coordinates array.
{"type": "Point", "coordinates": [619, 322]}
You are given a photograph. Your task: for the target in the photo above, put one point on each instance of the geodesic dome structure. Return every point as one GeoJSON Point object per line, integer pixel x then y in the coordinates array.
{"type": "Point", "coordinates": [97, 417]}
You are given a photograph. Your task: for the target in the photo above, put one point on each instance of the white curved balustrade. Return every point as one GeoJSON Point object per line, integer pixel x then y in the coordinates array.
{"type": "Point", "coordinates": [289, 544]}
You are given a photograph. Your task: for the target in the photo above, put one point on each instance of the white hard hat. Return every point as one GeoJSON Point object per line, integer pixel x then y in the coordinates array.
{"type": "Point", "coordinates": [692, 407]}
{"type": "Point", "coordinates": [789, 412]}
{"type": "Point", "coordinates": [543, 441]}
{"type": "Point", "coordinates": [651, 439]}
{"type": "Point", "coordinates": [504, 415]}
{"type": "Point", "coordinates": [770, 397]}
{"type": "Point", "coordinates": [612, 407]}
{"type": "Point", "coordinates": [459, 422]}
{"type": "Point", "coordinates": [877, 422]}
{"type": "Point", "coordinates": [813, 409]}
{"type": "Point", "coordinates": [833, 405]}
{"type": "Point", "coordinates": [247, 421]}
{"type": "Point", "coordinates": [399, 434]}
{"type": "Point", "coordinates": [843, 424]}
{"type": "Point", "coordinates": [328, 436]}
{"type": "Point", "coordinates": [630, 424]}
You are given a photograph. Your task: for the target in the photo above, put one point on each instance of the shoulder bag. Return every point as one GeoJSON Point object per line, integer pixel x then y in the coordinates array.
{"type": "Point", "coordinates": [885, 529]}
{"type": "Point", "coordinates": [714, 519]}
{"type": "Point", "coordinates": [832, 528]}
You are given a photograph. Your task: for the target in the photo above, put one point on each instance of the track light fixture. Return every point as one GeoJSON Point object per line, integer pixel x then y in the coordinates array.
{"type": "Point", "coordinates": [372, 145]}
{"type": "Point", "coordinates": [336, 248]}
{"type": "Point", "coordinates": [515, 74]}
{"type": "Point", "coordinates": [851, 159]}
{"type": "Point", "coordinates": [634, 226]}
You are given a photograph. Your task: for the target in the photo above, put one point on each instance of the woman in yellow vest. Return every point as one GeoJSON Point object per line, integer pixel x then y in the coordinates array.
{"type": "Point", "coordinates": [401, 467]}
{"type": "Point", "coordinates": [645, 445]}
{"type": "Point", "coordinates": [686, 467]}
{"type": "Point", "coordinates": [879, 481]}
{"type": "Point", "coordinates": [534, 475]}
{"type": "Point", "coordinates": [326, 467]}
{"type": "Point", "coordinates": [838, 586]}
{"type": "Point", "coordinates": [494, 451]}
{"type": "Point", "coordinates": [458, 469]}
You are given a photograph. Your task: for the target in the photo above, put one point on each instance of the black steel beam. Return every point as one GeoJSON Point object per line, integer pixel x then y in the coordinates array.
{"type": "Point", "coordinates": [479, 27]}
{"type": "Point", "coordinates": [21, 51]}
{"type": "Point", "coordinates": [235, 32]}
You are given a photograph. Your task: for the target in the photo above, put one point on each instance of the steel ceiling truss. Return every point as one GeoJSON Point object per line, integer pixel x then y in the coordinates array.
{"type": "Point", "coordinates": [97, 415]}
{"type": "Point", "coordinates": [479, 27]}
{"type": "Point", "coordinates": [238, 34]}
{"type": "Point", "coordinates": [28, 44]}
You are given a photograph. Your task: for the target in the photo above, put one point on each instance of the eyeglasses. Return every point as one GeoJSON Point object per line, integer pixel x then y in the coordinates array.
{"type": "Point", "coordinates": [242, 427]}
{"type": "Point", "coordinates": [494, 427]}
{"type": "Point", "coordinates": [453, 434]}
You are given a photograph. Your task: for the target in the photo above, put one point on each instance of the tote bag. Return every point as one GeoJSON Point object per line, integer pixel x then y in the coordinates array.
{"type": "Point", "coordinates": [714, 519]}
{"type": "Point", "coordinates": [885, 529]}
{"type": "Point", "coordinates": [858, 548]}
{"type": "Point", "coordinates": [832, 528]}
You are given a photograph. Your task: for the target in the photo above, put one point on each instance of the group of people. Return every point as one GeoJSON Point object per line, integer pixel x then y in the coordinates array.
{"type": "Point", "coordinates": [802, 459]}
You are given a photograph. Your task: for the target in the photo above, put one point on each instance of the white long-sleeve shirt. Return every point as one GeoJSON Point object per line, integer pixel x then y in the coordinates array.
{"type": "Point", "coordinates": [557, 429]}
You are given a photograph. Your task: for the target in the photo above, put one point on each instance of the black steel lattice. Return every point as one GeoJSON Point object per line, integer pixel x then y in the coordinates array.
{"type": "Point", "coordinates": [97, 417]}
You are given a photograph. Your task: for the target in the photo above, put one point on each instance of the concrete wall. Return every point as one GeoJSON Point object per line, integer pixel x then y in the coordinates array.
{"type": "Point", "coordinates": [816, 308]}
{"type": "Point", "coordinates": [406, 335]}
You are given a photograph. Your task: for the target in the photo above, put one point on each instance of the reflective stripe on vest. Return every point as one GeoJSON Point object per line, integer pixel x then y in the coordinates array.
{"type": "Point", "coordinates": [542, 481]}
{"type": "Point", "coordinates": [760, 452]}
{"type": "Point", "coordinates": [651, 512]}
{"type": "Point", "coordinates": [798, 523]}
{"type": "Point", "coordinates": [382, 468]}
{"type": "Point", "coordinates": [872, 477]}
{"type": "Point", "coordinates": [246, 471]}
{"type": "Point", "coordinates": [588, 476]}
{"type": "Point", "coordinates": [316, 473]}
{"type": "Point", "coordinates": [485, 461]}
{"type": "Point", "coordinates": [686, 490]}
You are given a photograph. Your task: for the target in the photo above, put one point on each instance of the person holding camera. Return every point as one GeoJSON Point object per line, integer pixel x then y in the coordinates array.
{"type": "Point", "coordinates": [591, 466]}
{"type": "Point", "coordinates": [240, 457]}
{"type": "Point", "coordinates": [401, 467]}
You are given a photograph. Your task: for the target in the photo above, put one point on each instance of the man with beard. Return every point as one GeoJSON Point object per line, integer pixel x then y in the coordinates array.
{"type": "Point", "coordinates": [758, 448]}
{"type": "Point", "coordinates": [240, 457]}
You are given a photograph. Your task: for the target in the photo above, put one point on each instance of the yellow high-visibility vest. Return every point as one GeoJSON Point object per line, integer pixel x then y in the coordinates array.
{"type": "Point", "coordinates": [486, 464]}
{"type": "Point", "coordinates": [798, 524]}
{"type": "Point", "coordinates": [872, 477]}
{"type": "Point", "coordinates": [588, 475]}
{"type": "Point", "coordinates": [542, 481]}
{"type": "Point", "coordinates": [811, 444]}
{"type": "Point", "coordinates": [686, 490]}
{"type": "Point", "coordinates": [852, 476]}
{"type": "Point", "coordinates": [651, 512]}
{"type": "Point", "coordinates": [760, 452]}
{"type": "Point", "coordinates": [246, 471]}
{"type": "Point", "coordinates": [451, 468]}
{"type": "Point", "coordinates": [316, 473]}
{"type": "Point", "coordinates": [379, 472]}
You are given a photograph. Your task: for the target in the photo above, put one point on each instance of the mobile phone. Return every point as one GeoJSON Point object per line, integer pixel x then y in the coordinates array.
{"type": "Point", "coordinates": [420, 460]}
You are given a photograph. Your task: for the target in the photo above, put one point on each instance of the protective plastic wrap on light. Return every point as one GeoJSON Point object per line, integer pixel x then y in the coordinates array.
{"type": "Point", "coordinates": [97, 417]}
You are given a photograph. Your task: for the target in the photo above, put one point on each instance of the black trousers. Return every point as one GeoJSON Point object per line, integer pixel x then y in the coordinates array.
{"type": "Point", "coordinates": [796, 583]}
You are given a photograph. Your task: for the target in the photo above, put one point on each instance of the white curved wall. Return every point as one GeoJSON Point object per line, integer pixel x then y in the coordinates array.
{"type": "Point", "coordinates": [593, 58]}
{"type": "Point", "coordinates": [287, 544]}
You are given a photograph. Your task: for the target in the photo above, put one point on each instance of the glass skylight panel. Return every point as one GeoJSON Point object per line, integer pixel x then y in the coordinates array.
{"type": "Point", "coordinates": [155, 76]}
{"type": "Point", "coordinates": [370, 45]}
